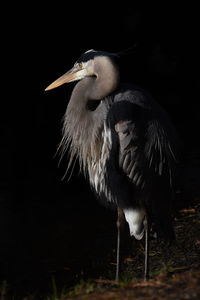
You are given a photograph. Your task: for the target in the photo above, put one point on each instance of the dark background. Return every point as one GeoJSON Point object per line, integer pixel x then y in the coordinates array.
{"type": "Point", "coordinates": [47, 223]}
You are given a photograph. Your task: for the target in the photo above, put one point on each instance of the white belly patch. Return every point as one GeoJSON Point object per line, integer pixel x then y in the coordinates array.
{"type": "Point", "coordinates": [135, 218]}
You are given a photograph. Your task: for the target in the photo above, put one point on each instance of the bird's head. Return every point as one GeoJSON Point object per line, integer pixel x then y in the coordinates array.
{"type": "Point", "coordinates": [84, 67]}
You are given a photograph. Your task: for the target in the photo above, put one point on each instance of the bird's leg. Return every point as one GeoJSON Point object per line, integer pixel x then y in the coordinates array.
{"type": "Point", "coordinates": [120, 221]}
{"type": "Point", "coordinates": [146, 263]}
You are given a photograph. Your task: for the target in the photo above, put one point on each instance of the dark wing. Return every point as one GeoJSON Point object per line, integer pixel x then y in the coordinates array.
{"type": "Point", "coordinates": [145, 149]}
{"type": "Point", "coordinates": [131, 157]}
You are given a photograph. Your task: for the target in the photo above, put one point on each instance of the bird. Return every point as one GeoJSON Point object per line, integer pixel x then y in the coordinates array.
{"type": "Point", "coordinates": [126, 146]}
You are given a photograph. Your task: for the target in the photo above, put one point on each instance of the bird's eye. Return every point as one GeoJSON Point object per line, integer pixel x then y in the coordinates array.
{"type": "Point", "coordinates": [80, 65]}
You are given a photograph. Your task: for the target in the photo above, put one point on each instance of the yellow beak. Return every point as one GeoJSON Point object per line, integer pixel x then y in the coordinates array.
{"type": "Point", "coordinates": [72, 75]}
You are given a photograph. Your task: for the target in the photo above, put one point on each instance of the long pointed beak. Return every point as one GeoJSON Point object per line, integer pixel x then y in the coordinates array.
{"type": "Point", "coordinates": [72, 75]}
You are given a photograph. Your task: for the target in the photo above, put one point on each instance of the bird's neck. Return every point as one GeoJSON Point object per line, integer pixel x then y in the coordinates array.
{"type": "Point", "coordinates": [106, 80]}
{"type": "Point", "coordinates": [82, 126]}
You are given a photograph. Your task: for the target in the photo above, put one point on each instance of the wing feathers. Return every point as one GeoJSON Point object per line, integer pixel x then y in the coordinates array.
{"type": "Point", "coordinates": [144, 149]}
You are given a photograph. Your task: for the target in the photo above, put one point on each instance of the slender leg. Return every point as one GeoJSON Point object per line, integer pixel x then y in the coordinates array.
{"type": "Point", "coordinates": [146, 264]}
{"type": "Point", "coordinates": [118, 249]}
{"type": "Point", "coordinates": [120, 221]}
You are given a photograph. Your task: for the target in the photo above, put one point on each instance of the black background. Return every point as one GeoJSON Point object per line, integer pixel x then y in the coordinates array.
{"type": "Point", "coordinates": [40, 44]}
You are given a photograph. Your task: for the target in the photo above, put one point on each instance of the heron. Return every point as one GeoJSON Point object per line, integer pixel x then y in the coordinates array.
{"type": "Point", "coordinates": [125, 143]}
